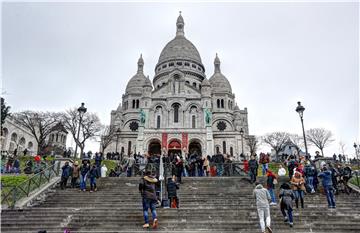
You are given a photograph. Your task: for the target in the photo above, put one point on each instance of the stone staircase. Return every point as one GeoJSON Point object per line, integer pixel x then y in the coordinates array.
{"type": "Point", "coordinates": [220, 204]}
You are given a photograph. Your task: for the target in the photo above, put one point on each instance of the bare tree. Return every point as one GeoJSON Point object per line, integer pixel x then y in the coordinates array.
{"type": "Point", "coordinates": [276, 140]}
{"type": "Point", "coordinates": [90, 126]}
{"type": "Point", "coordinates": [40, 125]}
{"type": "Point", "coordinates": [319, 137]}
{"type": "Point", "coordinates": [107, 134]}
{"type": "Point", "coordinates": [252, 142]}
{"type": "Point", "coordinates": [297, 140]}
{"type": "Point", "coordinates": [342, 147]}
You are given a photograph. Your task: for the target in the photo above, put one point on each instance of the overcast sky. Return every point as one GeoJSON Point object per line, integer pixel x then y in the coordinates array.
{"type": "Point", "coordinates": [57, 55]}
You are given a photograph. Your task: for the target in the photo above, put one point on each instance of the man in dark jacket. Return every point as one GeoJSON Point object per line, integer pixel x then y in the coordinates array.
{"type": "Point", "coordinates": [253, 167]}
{"type": "Point", "coordinates": [309, 172]}
{"type": "Point", "coordinates": [149, 199]}
{"type": "Point", "coordinates": [328, 186]}
{"type": "Point", "coordinates": [93, 174]}
{"type": "Point", "coordinates": [286, 199]}
{"type": "Point", "coordinates": [171, 190]}
{"type": "Point", "coordinates": [65, 175]}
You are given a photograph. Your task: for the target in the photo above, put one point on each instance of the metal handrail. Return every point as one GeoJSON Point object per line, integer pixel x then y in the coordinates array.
{"type": "Point", "coordinates": [29, 185]}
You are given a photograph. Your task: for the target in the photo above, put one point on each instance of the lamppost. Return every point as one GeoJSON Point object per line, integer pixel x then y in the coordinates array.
{"type": "Point", "coordinates": [242, 141]}
{"type": "Point", "coordinates": [82, 111]}
{"type": "Point", "coordinates": [117, 139]}
{"type": "Point", "coordinates": [357, 151]}
{"type": "Point", "coordinates": [300, 109]}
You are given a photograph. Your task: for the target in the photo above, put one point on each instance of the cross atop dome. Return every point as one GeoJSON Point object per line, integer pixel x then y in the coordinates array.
{"type": "Point", "coordinates": [140, 65]}
{"type": "Point", "coordinates": [180, 25]}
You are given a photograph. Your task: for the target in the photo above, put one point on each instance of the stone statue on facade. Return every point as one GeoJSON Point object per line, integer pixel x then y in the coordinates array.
{"type": "Point", "coordinates": [142, 117]}
{"type": "Point", "coordinates": [208, 117]}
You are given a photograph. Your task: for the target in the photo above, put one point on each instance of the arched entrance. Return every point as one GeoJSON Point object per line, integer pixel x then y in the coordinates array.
{"type": "Point", "coordinates": [154, 147]}
{"type": "Point", "coordinates": [174, 148]}
{"type": "Point", "coordinates": [195, 147]}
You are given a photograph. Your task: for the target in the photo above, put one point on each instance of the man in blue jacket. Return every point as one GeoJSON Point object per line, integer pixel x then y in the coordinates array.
{"type": "Point", "coordinates": [328, 186]}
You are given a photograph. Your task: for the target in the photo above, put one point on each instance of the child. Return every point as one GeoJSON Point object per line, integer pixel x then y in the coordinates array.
{"type": "Point", "coordinates": [93, 174]}
{"type": "Point", "coordinates": [171, 189]}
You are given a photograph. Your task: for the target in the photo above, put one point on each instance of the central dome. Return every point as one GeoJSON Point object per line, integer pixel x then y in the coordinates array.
{"type": "Point", "coordinates": [180, 48]}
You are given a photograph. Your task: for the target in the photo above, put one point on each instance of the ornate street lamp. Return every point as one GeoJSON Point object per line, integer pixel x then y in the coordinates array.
{"type": "Point", "coordinates": [300, 109]}
{"type": "Point", "coordinates": [118, 131]}
{"type": "Point", "coordinates": [242, 141]}
{"type": "Point", "coordinates": [82, 110]}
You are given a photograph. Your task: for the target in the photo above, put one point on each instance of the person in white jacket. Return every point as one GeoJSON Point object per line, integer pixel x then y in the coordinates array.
{"type": "Point", "coordinates": [103, 170]}
{"type": "Point", "coordinates": [281, 171]}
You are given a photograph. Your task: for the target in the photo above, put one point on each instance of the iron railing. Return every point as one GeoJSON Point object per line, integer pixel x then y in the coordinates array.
{"type": "Point", "coordinates": [11, 195]}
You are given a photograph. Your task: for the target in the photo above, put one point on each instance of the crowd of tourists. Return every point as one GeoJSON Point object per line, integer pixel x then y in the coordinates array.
{"type": "Point", "coordinates": [304, 178]}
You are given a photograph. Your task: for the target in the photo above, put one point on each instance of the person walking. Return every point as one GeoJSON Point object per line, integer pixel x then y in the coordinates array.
{"type": "Point", "coordinates": [149, 199]}
{"type": "Point", "coordinates": [270, 184]}
{"type": "Point", "coordinates": [326, 176]}
{"type": "Point", "coordinates": [298, 186]}
{"type": "Point", "coordinates": [253, 167]}
{"type": "Point", "coordinates": [286, 196]}
{"type": "Point", "coordinates": [262, 197]}
{"type": "Point", "coordinates": [75, 173]}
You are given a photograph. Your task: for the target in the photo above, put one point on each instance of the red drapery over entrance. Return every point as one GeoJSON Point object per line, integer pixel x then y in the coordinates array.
{"type": "Point", "coordinates": [174, 145]}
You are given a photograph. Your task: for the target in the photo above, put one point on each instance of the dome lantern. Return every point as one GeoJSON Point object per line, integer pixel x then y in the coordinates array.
{"type": "Point", "coordinates": [180, 25]}
{"type": "Point", "coordinates": [140, 65]}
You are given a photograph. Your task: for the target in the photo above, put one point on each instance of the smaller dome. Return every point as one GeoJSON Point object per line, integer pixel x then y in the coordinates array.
{"type": "Point", "coordinates": [236, 108]}
{"type": "Point", "coordinates": [148, 82]}
{"type": "Point", "coordinates": [205, 83]}
{"type": "Point", "coordinates": [138, 81]}
{"type": "Point", "coordinates": [218, 81]}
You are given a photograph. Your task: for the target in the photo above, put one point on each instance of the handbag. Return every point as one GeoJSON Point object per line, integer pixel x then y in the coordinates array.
{"type": "Point", "coordinates": [275, 181]}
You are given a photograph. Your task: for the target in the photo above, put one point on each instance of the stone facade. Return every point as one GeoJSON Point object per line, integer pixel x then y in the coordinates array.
{"type": "Point", "coordinates": [180, 109]}
{"type": "Point", "coordinates": [17, 137]}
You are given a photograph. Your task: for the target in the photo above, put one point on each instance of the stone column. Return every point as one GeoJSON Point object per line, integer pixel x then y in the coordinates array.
{"type": "Point", "coordinates": [140, 140]}
{"type": "Point", "coordinates": [209, 141]}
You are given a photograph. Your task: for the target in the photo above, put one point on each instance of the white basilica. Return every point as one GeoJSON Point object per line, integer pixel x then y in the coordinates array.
{"type": "Point", "coordinates": [180, 110]}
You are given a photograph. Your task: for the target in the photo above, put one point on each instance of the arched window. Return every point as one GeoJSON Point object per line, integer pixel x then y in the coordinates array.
{"type": "Point", "coordinates": [194, 84]}
{"type": "Point", "coordinates": [158, 122]}
{"type": "Point", "coordinates": [14, 137]}
{"type": "Point", "coordinates": [224, 147]}
{"type": "Point", "coordinates": [129, 147]}
{"type": "Point", "coordinates": [187, 82]}
{"type": "Point", "coordinates": [133, 104]}
{"type": "Point", "coordinates": [222, 103]}
{"type": "Point", "coordinates": [218, 103]}
{"type": "Point", "coordinates": [57, 137]}
{"type": "Point", "coordinates": [193, 121]}
{"type": "Point", "coordinates": [217, 150]}
{"type": "Point", "coordinates": [137, 103]}
{"type": "Point", "coordinates": [176, 113]}
{"type": "Point", "coordinates": [231, 151]}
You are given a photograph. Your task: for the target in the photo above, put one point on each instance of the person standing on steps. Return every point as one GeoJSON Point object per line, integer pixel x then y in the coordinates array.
{"type": "Point", "coordinates": [65, 175]}
{"type": "Point", "coordinates": [172, 194]}
{"type": "Point", "coordinates": [286, 199]}
{"type": "Point", "coordinates": [84, 170]}
{"type": "Point", "coordinates": [149, 199]}
{"type": "Point", "coordinates": [262, 197]}
{"type": "Point", "coordinates": [298, 186]}
{"type": "Point", "coordinates": [326, 176]}
{"type": "Point", "coordinates": [75, 174]}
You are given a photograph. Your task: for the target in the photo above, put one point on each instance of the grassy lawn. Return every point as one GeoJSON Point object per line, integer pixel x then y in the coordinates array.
{"type": "Point", "coordinates": [354, 181]}
{"type": "Point", "coordinates": [274, 167]}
